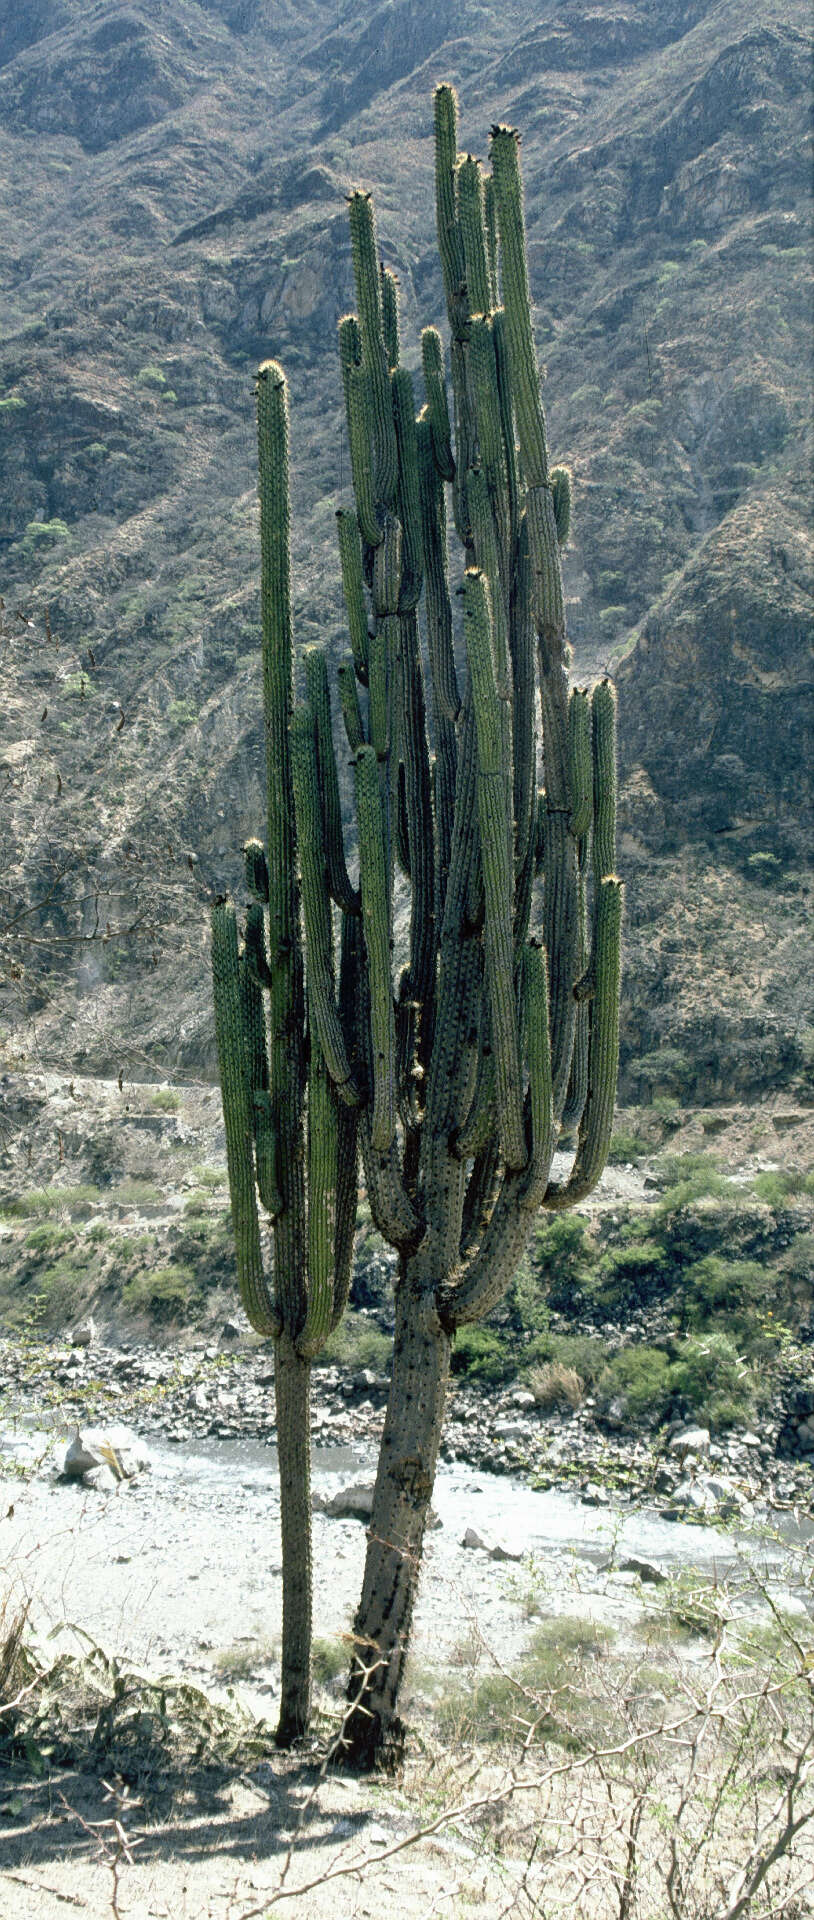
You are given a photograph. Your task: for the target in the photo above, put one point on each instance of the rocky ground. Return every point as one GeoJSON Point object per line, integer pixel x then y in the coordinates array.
{"type": "Point", "coordinates": [225, 1391]}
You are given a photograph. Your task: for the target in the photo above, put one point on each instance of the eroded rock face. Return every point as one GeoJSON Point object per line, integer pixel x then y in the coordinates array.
{"type": "Point", "coordinates": [716, 695]}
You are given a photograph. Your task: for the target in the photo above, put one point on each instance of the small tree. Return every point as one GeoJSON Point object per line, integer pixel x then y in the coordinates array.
{"type": "Point", "coordinates": [501, 1034]}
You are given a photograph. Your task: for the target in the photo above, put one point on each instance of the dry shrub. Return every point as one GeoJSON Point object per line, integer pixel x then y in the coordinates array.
{"type": "Point", "coordinates": [556, 1387]}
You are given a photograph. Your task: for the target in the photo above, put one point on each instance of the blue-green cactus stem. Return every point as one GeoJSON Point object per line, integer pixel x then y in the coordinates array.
{"type": "Point", "coordinates": [349, 702]}
{"type": "Point", "coordinates": [237, 1118]}
{"type": "Point", "coordinates": [360, 421]}
{"type": "Point", "coordinates": [603, 717]}
{"type": "Point", "coordinates": [435, 387]}
{"type": "Point", "coordinates": [517, 302]}
{"type": "Point", "coordinates": [316, 905]}
{"type": "Point", "coordinates": [256, 871]}
{"type": "Point", "coordinates": [390, 316]}
{"type": "Point", "coordinates": [353, 586]}
{"type": "Point", "coordinates": [490, 219]}
{"type": "Point", "coordinates": [287, 1008]}
{"type": "Point", "coordinates": [497, 854]}
{"type": "Point", "coordinates": [561, 488]}
{"type": "Point", "coordinates": [323, 1156]}
{"type": "Point", "coordinates": [373, 867]}
{"type": "Point", "coordinates": [603, 1052]}
{"type": "Point", "coordinates": [374, 355]}
{"type": "Point", "coordinates": [409, 501]}
{"type": "Point", "coordinates": [469, 183]}
{"type": "Point", "coordinates": [340, 886]}
{"type": "Point", "coordinates": [450, 238]}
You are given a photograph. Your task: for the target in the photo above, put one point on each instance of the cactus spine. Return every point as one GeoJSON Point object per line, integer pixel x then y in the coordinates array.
{"type": "Point", "coordinates": [287, 1079]}
{"type": "Point", "coordinates": [500, 1035]}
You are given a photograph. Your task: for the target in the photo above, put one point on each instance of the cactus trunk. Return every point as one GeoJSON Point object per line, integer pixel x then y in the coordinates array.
{"type": "Point", "coordinates": [292, 1388]}
{"type": "Point", "coordinates": [373, 1733]}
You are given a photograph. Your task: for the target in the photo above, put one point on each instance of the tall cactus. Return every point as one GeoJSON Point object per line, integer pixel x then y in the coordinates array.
{"type": "Point", "coordinates": [499, 1035]}
{"type": "Point", "coordinates": [287, 1080]}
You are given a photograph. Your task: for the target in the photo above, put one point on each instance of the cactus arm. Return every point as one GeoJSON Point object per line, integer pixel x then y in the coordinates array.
{"type": "Point", "coordinates": [349, 702]}
{"type": "Point", "coordinates": [420, 835]}
{"type": "Point", "coordinates": [582, 773]}
{"type": "Point", "coordinates": [359, 439]}
{"type": "Point", "coordinates": [319, 700]}
{"type": "Point", "coordinates": [483, 374]}
{"type": "Point", "coordinates": [517, 301]}
{"type": "Point", "coordinates": [350, 961]}
{"type": "Point", "coordinates": [450, 238]}
{"type": "Point", "coordinates": [480, 1196]}
{"type": "Point", "coordinates": [603, 1053]}
{"type": "Point", "coordinates": [538, 1051]}
{"type": "Point", "coordinates": [256, 869]}
{"type": "Point", "coordinates": [237, 1121]}
{"type": "Point", "coordinates": [490, 221]}
{"type": "Point", "coordinates": [435, 387]}
{"type": "Point", "coordinates": [322, 1179]}
{"type": "Point", "coordinates": [373, 868]}
{"type": "Point", "coordinates": [469, 184]}
{"type": "Point", "coordinates": [446, 697]}
{"type": "Point", "coordinates": [390, 317]}
{"type": "Point", "coordinates": [504, 388]}
{"type": "Point", "coordinates": [287, 1008]}
{"type": "Point", "coordinates": [409, 501]}
{"type": "Point", "coordinates": [524, 745]}
{"type": "Point", "coordinates": [382, 650]}
{"type": "Point", "coordinates": [353, 586]}
{"type": "Point", "coordinates": [498, 862]}
{"type": "Point", "coordinates": [603, 717]}
{"type": "Point", "coordinates": [254, 976]}
{"type": "Point", "coordinates": [374, 356]}
{"type": "Point", "coordinates": [561, 488]}
{"type": "Point", "coordinates": [316, 906]}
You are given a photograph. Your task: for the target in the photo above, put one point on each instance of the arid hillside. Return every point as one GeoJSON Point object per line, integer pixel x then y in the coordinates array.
{"type": "Point", "coordinates": [173, 186]}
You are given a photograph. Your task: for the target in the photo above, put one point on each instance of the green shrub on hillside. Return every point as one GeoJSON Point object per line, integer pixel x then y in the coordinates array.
{"type": "Point", "coordinates": [167, 1294]}
{"type": "Point", "coordinates": [640, 1377]}
{"type": "Point", "coordinates": [484, 1355]}
{"type": "Point", "coordinates": [711, 1382]}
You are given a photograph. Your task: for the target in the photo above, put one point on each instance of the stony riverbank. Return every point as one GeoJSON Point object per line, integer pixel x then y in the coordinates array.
{"type": "Point", "coordinates": [225, 1391]}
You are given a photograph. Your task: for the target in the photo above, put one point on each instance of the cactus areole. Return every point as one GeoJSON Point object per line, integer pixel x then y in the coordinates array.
{"type": "Point", "coordinates": [497, 1037]}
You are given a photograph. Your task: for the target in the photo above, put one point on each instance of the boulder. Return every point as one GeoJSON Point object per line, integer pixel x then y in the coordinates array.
{"type": "Point", "coordinates": [116, 1448]}
{"type": "Point", "coordinates": [690, 1440]}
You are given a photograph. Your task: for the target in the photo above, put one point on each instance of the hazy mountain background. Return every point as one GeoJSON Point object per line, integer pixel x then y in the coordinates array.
{"type": "Point", "coordinates": [173, 186]}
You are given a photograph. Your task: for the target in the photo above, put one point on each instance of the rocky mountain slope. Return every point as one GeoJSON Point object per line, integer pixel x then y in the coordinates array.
{"type": "Point", "coordinates": [172, 211]}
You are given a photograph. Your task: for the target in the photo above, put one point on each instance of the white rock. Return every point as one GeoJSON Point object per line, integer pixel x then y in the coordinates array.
{"type": "Point", "coordinates": [690, 1440]}
{"type": "Point", "coordinates": [114, 1447]}
{"type": "Point", "coordinates": [100, 1479]}
{"type": "Point", "coordinates": [85, 1335]}
{"type": "Point", "coordinates": [354, 1502]}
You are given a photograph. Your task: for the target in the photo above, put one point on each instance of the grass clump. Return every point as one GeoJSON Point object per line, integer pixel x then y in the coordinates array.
{"type": "Point", "coordinates": [639, 1378]}
{"type": "Point", "coordinates": [165, 1100]}
{"type": "Point", "coordinates": [777, 1188]}
{"type": "Point", "coordinates": [329, 1658]}
{"type": "Point", "coordinates": [44, 1202]}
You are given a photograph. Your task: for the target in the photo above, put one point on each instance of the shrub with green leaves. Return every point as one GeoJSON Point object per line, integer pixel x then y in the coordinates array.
{"type": "Point", "coordinates": [710, 1381]}
{"type": "Point", "coordinates": [641, 1378]}
{"type": "Point", "coordinates": [483, 1354]}
{"type": "Point", "coordinates": [166, 1295]}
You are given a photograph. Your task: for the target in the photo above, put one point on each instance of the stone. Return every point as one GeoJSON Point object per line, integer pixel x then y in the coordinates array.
{"type": "Point", "coordinates": [523, 1400]}
{"type": "Point", "coordinates": [595, 1496]}
{"type": "Point", "coordinates": [100, 1479]}
{"type": "Point", "coordinates": [354, 1502]}
{"type": "Point", "coordinates": [84, 1335]}
{"type": "Point", "coordinates": [116, 1448]}
{"type": "Point", "coordinates": [690, 1440]}
{"type": "Point", "coordinates": [500, 1551]}
{"type": "Point", "coordinates": [647, 1570]}
{"type": "Point", "coordinates": [473, 1540]}
{"type": "Point", "coordinates": [230, 1330]}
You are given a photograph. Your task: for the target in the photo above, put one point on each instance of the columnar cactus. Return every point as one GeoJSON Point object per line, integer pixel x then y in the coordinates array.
{"type": "Point", "coordinates": [499, 1037]}
{"type": "Point", "coordinates": [289, 1096]}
